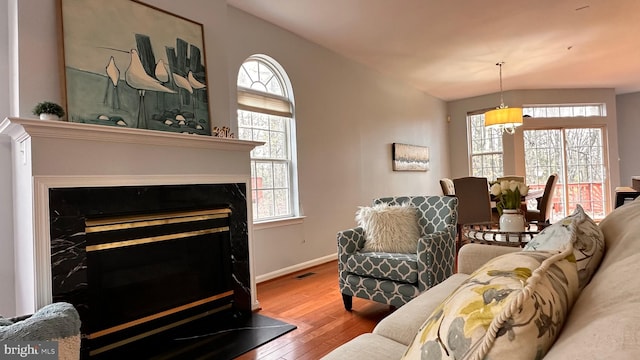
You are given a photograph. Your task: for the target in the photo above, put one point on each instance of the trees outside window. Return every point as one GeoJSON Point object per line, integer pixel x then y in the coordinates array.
{"type": "Point", "coordinates": [485, 148]}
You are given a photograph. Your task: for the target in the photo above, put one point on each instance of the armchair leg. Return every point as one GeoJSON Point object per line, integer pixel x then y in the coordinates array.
{"type": "Point", "coordinates": [348, 301]}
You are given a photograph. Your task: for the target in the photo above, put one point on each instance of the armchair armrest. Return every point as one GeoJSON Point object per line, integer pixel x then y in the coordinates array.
{"type": "Point", "coordinates": [436, 257]}
{"type": "Point", "coordinates": [472, 256]}
{"type": "Point", "coordinates": [349, 241]}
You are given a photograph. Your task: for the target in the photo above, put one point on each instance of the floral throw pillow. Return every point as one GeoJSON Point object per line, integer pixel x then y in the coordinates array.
{"type": "Point", "coordinates": [389, 228]}
{"type": "Point", "coordinates": [585, 236]}
{"type": "Point", "coordinates": [511, 308]}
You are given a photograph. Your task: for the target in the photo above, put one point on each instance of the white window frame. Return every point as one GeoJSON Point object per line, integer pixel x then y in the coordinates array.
{"type": "Point", "coordinates": [256, 101]}
{"type": "Point", "coordinates": [486, 134]}
{"type": "Point", "coordinates": [548, 111]}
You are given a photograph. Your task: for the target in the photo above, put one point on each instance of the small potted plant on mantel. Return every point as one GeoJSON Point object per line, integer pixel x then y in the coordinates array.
{"type": "Point", "coordinates": [48, 110]}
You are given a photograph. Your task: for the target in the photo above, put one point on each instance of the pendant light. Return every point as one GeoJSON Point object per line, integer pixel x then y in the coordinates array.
{"type": "Point", "coordinates": [503, 117]}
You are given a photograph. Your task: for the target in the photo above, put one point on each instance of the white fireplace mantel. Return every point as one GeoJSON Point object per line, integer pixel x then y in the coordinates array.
{"type": "Point", "coordinates": [49, 154]}
{"type": "Point", "coordinates": [20, 129]}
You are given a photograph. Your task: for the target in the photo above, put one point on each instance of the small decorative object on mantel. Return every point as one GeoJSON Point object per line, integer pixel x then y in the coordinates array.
{"type": "Point", "coordinates": [509, 195]}
{"type": "Point", "coordinates": [223, 132]}
{"type": "Point", "coordinates": [48, 110]}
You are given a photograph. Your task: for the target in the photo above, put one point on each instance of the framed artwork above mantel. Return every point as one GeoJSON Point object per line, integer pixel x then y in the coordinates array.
{"type": "Point", "coordinates": [128, 64]}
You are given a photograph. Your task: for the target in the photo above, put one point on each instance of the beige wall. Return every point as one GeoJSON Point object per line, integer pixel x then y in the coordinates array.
{"type": "Point", "coordinates": [628, 106]}
{"type": "Point", "coordinates": [347, 117]}
{"type": "Point", "coordinates": [513, 144]}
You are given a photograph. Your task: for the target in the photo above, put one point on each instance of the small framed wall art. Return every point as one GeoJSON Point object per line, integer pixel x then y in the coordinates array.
{"type": "Point", "coordinates": [410, 157]}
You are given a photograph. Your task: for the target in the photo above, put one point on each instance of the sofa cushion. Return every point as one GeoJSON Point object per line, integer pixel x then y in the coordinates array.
{"type": "Point", "coordinates": [389, 228]}
{"type": "Point", "coordinates": [511, 308]}
{"type": "Point", "coordinates": [368, 346]}
{"type": "Point", "coordinates": [587, 240]}
{"type": "Point", "coordinates": [381, 265]}
{"type": "Point", "coordinates": [406, 320]}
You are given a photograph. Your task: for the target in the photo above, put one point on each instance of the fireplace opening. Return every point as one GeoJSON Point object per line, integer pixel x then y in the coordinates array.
{"type": "Point", "coordinates": [166, 264]}
{"type": "Point", "coordinates": [138, 261]}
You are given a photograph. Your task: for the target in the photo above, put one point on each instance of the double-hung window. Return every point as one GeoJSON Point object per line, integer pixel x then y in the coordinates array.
{"type": "Point", "coordinates": [485, 148]}
{"type": "Point", "coordinates": [265, 113]}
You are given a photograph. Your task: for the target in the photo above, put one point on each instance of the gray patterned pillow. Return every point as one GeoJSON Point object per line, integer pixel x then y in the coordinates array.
{"type": "Point", "coordinates": [389, 228]}
{"type": "Point", "coordinates": [588, 242]}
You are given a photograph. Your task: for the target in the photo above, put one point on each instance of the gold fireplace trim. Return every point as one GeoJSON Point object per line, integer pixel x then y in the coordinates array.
{"type": "Point", "coordinates": [156, 330]}
{"type": "Point", "coordinates": [155, 316]}
{"type": "Point", "coordinates": [136, 221]}
{"type": "Point", "coordinates": [154, 239]}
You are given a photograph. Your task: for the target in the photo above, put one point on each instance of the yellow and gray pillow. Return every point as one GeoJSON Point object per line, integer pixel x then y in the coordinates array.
{"type": "Point", "coordinates": [511, 308]}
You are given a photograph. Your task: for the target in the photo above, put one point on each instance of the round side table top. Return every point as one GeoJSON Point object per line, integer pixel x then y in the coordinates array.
{"type": "Point", "coordinates": [491, 235]}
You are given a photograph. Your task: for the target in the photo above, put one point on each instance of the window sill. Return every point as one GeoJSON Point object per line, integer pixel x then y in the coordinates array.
{"type": "Point", "coordinates": [278, 222]}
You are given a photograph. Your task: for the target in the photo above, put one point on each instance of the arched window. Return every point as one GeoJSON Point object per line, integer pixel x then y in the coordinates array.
{"type": "Point", "coordinates": [265, 113]}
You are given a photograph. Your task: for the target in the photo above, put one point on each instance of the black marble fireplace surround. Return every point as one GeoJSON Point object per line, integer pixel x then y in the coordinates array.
{"type": "Point", "coordinates": [102, 292]}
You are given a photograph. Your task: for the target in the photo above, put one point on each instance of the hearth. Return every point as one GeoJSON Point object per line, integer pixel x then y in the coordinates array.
{"type": "Point", "coordinates": [137, 261]}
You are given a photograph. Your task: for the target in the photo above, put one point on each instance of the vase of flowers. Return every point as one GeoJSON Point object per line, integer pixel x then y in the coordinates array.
{"type": "Point", "coordinates": [509, 199]}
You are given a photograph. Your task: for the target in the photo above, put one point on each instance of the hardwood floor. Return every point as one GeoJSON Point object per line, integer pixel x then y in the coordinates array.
{"type": "Point", "coordinates": [313, 303]}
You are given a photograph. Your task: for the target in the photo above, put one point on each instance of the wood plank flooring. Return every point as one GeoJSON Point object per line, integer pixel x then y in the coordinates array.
{"type": "Point", "coordinates": [313, 303]}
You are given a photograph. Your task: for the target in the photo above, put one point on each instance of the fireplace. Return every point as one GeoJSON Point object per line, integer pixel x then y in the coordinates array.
{"type": "Point", "coordinates": [139, 260]}
{"type": "Point", "coordinates": [141, 230]}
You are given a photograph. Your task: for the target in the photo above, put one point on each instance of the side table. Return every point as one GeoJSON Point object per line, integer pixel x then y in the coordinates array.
{"type": "Point", "coordinates": [624, 193]}
{"type": "Point", "coordinates": [493, 236]}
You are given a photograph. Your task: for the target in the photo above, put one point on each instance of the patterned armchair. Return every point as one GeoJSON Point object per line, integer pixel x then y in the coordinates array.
{"type": "Point", "coordinates": [394, 278]}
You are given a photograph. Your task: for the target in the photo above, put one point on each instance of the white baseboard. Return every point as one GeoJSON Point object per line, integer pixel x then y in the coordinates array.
{"type": "Point", "coordinates": [297, 267]}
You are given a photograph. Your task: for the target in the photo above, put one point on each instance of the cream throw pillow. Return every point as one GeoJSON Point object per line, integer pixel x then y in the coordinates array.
{"type": "Point", "coordinates": [389, 228]}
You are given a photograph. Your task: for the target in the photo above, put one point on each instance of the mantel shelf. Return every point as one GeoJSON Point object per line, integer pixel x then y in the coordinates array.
{"type": "Point", "coordinates": [21, 129]}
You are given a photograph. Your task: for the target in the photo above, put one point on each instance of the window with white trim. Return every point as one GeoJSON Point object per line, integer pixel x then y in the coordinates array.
{"type": "Point", "coordinates": [265, 113]}
{"type": "Point", "coordinates": [485, 148]}
{"type": "Point", "coordinates": [564, 110]}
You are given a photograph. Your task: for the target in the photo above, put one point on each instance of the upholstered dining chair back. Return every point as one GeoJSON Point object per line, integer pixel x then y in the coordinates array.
{"type": "Point", "coordinates": [474, 201]}
{"type": "Point", "coordinates": [545, 203]}
{"type": "Point", "coordinates": [447, 187]}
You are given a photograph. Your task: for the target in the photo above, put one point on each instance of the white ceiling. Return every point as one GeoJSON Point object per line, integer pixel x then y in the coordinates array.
{"type": "Point", "coordinates": [449, 48]}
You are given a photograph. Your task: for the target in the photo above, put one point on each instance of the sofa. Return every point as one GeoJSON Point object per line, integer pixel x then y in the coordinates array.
{"type": "Point", "coordinates": [602, 322]}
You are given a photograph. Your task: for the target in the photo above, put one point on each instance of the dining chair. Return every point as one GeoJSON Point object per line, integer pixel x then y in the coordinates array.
{"type": "Point", "coordinates": [542, 213]}
{"type": "Point", "coordinates": [474, 202]}
{"type": "Point", "coordinates": [448, 189]}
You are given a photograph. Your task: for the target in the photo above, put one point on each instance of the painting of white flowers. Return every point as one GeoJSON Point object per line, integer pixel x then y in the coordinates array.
{"type": "Point", "coordinates": [131, 65]}
{"type": "Point", "coordinates": [410, 157]}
